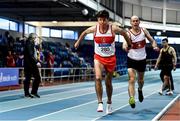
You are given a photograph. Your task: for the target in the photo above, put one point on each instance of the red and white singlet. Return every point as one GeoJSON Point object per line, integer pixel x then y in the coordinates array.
{"type": "Point", "coordinates": [104, 42]}
{"type": "Point", "coordinates": [105, 48]}
{"type": "Point", "coordinates": [137, 52]}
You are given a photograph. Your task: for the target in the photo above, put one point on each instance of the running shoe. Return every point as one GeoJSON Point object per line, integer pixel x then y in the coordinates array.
{"type": "Point", "coordinates": [132, 102]}
{"type": "Point", "coordinates": [100, 107]}
{"type": "Point", "coordinates": [140, 95]}
{"type": "Point", "coordinates": [169, 93]}
{"type": "Point", "coordinates": [160, 92]}
{"type": "Point", "coordinates": [109, 108]}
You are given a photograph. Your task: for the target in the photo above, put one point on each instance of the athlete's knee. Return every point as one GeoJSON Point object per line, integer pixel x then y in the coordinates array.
{"type": "Point", "coordinates": [108, 83]}
{"type": "Point", "coordinates": [98, 78]}
{"type": "Point", "coordinates": [141, 81]}
{"type": "Point", "coordinates": [131, 80]}
{"type": "Point", "coordinates": [166, 77]}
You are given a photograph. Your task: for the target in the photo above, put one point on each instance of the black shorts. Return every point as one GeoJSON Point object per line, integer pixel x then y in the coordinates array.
{"type": "Point", "coordinates": [139, 65]}
{"type": "Point", "coordinates": [166, 70]}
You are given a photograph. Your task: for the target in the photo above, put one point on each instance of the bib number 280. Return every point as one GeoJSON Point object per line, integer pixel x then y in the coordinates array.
{"type": "Point", "coordinates": [105, 49]}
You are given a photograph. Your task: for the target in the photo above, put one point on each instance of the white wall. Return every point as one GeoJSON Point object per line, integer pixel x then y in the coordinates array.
{"type": "Point", "coordinates": [152, 10]}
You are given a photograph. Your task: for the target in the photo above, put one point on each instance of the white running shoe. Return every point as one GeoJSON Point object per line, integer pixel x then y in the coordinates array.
{"type": "Point", "coordinates": [169, 93]}
{"type": "Point", "coordinates": [100, 107]}
{"type": "Point", "coordinates": [109, 109]}
{"type": "Point", "coordinates": [160, 92]}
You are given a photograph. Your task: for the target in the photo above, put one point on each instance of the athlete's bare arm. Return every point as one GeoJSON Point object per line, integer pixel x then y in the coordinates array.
{"type": "Point", "coordinates": [159, 59]}
{"type": "Point", "coordinates": [125, 45]}
{"type": "Point", "coordinates": [117, 29]}
{"type": "Point", "coordinates": [149, 37]}
{"type": "Point", "coordinates": [174, 57]}
{"type": "Point", "coordinates": [83, 34]}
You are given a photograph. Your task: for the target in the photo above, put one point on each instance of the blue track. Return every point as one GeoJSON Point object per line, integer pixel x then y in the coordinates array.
{"type": "Point", "coordinates": [78, 102]}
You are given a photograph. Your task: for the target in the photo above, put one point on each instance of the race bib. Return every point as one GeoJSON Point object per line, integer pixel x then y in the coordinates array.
{"type": "Point", "coordinates": [105, 47]}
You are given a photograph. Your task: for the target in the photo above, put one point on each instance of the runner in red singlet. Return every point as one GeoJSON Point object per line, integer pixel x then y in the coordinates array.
{"type": "Point", "coordinates": [104, 57]}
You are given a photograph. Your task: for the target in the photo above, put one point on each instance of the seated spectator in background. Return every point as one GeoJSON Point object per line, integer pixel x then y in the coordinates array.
{"type": "Point", "coordinates": [20, 60]}
{"type": "Point", "coordinates": [67, 64]}
{"type": "Point", "coordinates": [40, 55]}
{"type": "Point", "coordinates": [20, 63]}
{"type": "Point", "coordinates": [50, 64]}
{"type": "Point", "coordinates": [10, 60]}
{"type": "Point", "coordinates": [19, 45]}
{"type": "Point", "coordinates": [1, 61]}
{"type": "Point", "coordinates": [9, 39]}
{"type": "Point", "coordinates": [4, 49]}
{"type": "Point", "coordinates": [67, 46]}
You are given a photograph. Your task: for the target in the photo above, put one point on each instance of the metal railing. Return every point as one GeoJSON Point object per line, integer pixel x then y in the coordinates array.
{"type": "Point", "coordinates": [63, 75]}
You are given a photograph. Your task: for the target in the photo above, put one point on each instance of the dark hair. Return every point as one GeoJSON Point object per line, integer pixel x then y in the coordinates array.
{"type": "Point", "coordinates": [103, 13]}
{"type": "Point", "coordinates": [165, 40]}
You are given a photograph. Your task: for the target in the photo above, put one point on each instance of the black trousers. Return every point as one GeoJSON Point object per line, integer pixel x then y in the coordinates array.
{"type": "Point", "coordinates": [31, 72]}
{"type": "Point", "coordinates": [171, 79]}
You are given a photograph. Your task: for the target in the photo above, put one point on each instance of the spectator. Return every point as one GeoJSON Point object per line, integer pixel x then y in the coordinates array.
{"type": "Point", "coordinates": [4, 48]}
{"type": "Point", "coordinates": [50, 64]}
{"type": "Point", "coordinates": [10, 60]}
{"type": "Point", "coordinates": [20, 63]}
{"type": "Point", "coordinates": [31, 65]}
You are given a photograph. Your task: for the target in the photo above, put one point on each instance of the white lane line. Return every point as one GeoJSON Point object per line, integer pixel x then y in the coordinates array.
{"type": "Point", "coordinates": [49, 88]}
{"type": "Point", "coordinates": [87, 104]}
{"type": "Point", "coordinates": [55, 87]}
{"type": "Point", "coordinates": [122, 106]}
{"type": "Point", "coordinates": [46, 95]}
{"type": "Point", "coordinates": [156, 118]}
{"type": "Point", "coordinates": [73, 107]}
{"type": "Point", "coordinates": [59, 92]}
{"type": "Point", "coordinates": [91, 91]}
{"type": "Point", "coordinates": [19, 107]}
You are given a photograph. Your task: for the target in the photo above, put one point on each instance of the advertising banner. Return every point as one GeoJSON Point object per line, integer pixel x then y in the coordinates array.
{"type": "Point", "coordinates": [9, 76]}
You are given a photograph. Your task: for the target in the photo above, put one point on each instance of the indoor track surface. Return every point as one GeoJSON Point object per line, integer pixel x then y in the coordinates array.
{"type": "Point", "coordinates": [78, 101]}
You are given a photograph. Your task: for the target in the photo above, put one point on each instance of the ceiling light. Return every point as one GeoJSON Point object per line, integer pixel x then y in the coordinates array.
{"type": "Point", "coordinates": [54, 22]}
{"type": "Point", "coordinates": [85, 12]}
{"type": "Point", "coordinates": [158, 33]}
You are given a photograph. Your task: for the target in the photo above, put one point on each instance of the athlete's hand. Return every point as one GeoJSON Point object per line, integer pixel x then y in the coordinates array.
{"type": "Point", "coordinates": [156, 49]}
{"type": "Point", "coordinates": [155, 67]}
{"type": "Point", "coordinates": [38, 65]}
{"type": "Point", "coordinates": [174, 67]}
{"type": "Point", "coordinates": [76, 45]}
{"type": "Point", "coordinates": [126, 49]}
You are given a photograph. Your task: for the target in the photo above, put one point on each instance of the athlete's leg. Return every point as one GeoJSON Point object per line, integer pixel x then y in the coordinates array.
{"type": "Point", "coordinates": [109, 88]}
{"type": "Point", "coordinates": [162, 76]}
{"type": "Point", "coordinates": [140, 85]}
{"type": "Point", "coordinates": [98, 67]}
{"type": "Point", "coordinates": [172, 83]}
{"type": "Point", "coordinates": [131, 87]}
{"type": "Point", "coordinates": [140, 80]}
{"type": "Point", "coordinates": [170, 92]}
{"type": "Point", "coordinates": [167, 82]}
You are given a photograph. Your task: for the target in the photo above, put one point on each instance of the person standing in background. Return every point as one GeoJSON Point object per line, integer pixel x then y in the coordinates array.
{"type": "Point", "coordinates": [167, 62]}
{"type": "Point", "coordinates": [31, 66]}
